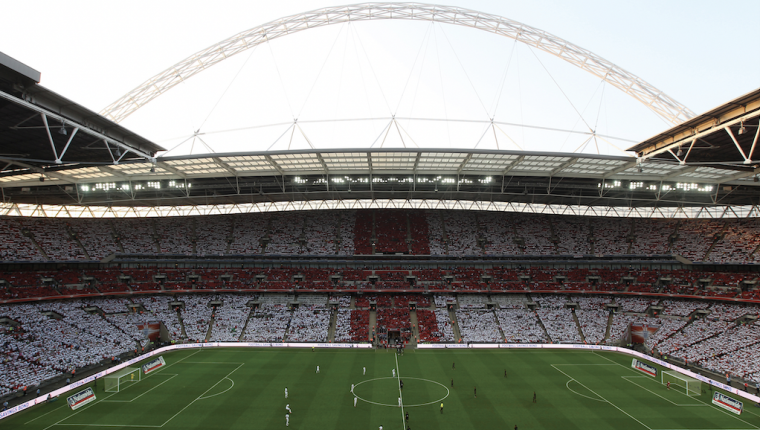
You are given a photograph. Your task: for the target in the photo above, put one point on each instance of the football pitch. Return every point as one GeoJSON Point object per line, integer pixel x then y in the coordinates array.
{"type": "Point", "coordinates": [242, 388]}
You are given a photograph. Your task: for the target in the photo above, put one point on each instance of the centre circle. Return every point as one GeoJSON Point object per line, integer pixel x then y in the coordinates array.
{"type": "Point", "coordinates": [416, 392]}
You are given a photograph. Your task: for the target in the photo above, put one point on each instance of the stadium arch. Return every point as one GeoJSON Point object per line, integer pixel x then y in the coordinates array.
{"type": "Point", "coordinates": [660, 103]}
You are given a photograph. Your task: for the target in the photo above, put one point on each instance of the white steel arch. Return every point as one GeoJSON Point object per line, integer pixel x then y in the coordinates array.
{"type": "Point", "coordinates": [662, 104]}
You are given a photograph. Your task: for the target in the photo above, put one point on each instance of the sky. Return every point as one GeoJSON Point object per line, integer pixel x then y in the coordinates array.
{"type": "Point", "coordinates": [700, 53]}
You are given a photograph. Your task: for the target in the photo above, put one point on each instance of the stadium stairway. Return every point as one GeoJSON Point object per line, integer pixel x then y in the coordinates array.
{"type": "Point", "coordinates": [578, 326]}
{"type": "Point", "coordinates": [415, 329]}
{"type": "Point", "coordinates": [245, 326]}
{"type": "Point", "coordinates": [36, 244]}
{"type": "Point", "coordinates": [156, 241]}
{"type": "Point", "coordinates": [541, 323]}
{"type": "Point", "coordinates": [719, 354]}
{"type": "Point", "coordinates": [455, 324]}
{"type": "Point", "coordinates": [372, 323]}
{"type": "Point", "coordinates": [194, 239]}
{"type": "Point", "coordinates": [553, 235]}
{"type": "Point", "coordinates": [338, 238]}
{"type": "Point", "coordinates": [445, 235]}
{"type": "Point", "coordinates": [749, 257]}
{"type": "Point", "coordinates": [496, 317]}
{"type": "Point", "coordinates": [718, 238]}
{"type": "Point", "coordinates": [210, 326]}
{"type": "Point", "coordinates": [115, 236]}
{"type": "Point", "coordinates": [479, 239]}
{"type": "Point", "coordinates": [408, 233]}
{"type": "Point", "coordinates": [181, 324]}
{"type": "Point", "coordinates": [333, 322]}
{"type": "Point", "coordinates": [609, 326]}
{"type": "Point", "coordinates": [73, 235]}
{"type": "Point", "coordinates": [374, 234]}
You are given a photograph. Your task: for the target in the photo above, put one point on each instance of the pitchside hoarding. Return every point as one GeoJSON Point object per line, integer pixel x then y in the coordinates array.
{"type": "Point", "coordinates": [81, 398]}
{"type": "Point", "coordinates": [153, 365]}
{"type": "Point", "coordinates": [723, 401]}
{"type": "Point", "coordinates": [645, 368]}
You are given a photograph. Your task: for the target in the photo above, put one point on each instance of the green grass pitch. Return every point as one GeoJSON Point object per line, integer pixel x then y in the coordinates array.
{"type": "Point", "coordinates": [240, 388]}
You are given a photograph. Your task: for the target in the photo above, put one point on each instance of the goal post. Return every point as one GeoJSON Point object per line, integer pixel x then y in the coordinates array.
{"type": "Point", "coordinates": [690, 386]}
{"type": "Point", "coordinates": [116, 381]}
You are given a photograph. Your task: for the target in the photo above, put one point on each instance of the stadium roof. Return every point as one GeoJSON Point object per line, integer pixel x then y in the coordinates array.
{"type": "Point", "coordinates": [724, 136]}
{"type": "Point", "coordinates": [39, 128]}
{"type": "Point", "coordinates": [101, 164]}
{"type": "Point", "coordinates": [472, 175]}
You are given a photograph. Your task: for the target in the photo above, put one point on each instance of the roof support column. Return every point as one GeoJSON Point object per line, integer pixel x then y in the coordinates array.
{"type": "Point", "coordinates": [65, 148]}
{"type": "Point", "coordinates": [741, 151]}
{"type": "Point", "coordinates": [754, 142]}
{"type": "Point", "coordinates": [50, 138]}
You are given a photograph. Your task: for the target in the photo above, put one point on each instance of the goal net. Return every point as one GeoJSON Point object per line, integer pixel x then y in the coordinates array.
{"type": "Point", "coordinates": [690, 386]}
{"type": "Point", "coordinates": [116, 381]}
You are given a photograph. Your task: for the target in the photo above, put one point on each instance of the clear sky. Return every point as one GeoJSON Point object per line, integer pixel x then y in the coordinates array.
{"type": "Point", "coordinates": [701, 53]}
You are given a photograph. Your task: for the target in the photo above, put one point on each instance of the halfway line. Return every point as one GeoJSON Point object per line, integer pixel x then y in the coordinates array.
{"type": "Point", "coordinates": [400, 395]}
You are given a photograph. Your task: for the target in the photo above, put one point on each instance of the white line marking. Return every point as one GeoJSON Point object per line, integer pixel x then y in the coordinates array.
{"type": "Point", "coordinates": [612, 404]}
{"type": "Point", "coordinates": [406, 406]}
{"type": "Point", "coordinates": [203, 394]}
{"type": "Point", "coordinates": [97, 401]}
{"type": "Point", "coordinates": [130, 401]}
{"type": "Point", "coordinates": [54, 409]}
{"type": "Point", "coordinates": [109, 425]}
{"type": "Point", "coordinates": [567, 384]}
{"type": "Point", "coordinates": [664, 398]}
{"type": "Point", "coordinates": [730, 414]}
{"type": "Point", "coordinates": [400, 395]}
{"type": "Point", "coordinates": [583, 364]}
{"type": "Point", "coordinates": [221, 392]}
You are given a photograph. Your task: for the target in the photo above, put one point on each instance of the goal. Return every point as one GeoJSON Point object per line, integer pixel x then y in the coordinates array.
{"type": "Point", "coordinates": [124, 377]}
{"type": "Point", "coordinates": [690, 386]}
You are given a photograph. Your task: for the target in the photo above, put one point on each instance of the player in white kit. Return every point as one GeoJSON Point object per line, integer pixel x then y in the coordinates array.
{"type": "Point", "coordinates": [287, 420]}
{"type": "Point", "coordinates": [286, 392]}
{"type": "Point", "coordinates": [317, 369]}
{"type": "Point", "coordinates": [355, 399]}
{"type": "Point", "coordinates": [287, 408]}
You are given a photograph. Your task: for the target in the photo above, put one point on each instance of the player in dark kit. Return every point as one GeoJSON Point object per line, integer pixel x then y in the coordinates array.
{"type": "Point", "coordinates": [534, 397]}
{"type": "Point", "coordinates": [475, 390]}
{"type": "Point", "coordinates": [406, 417]}
{"type": "Point", "coordinates": [401, 384]}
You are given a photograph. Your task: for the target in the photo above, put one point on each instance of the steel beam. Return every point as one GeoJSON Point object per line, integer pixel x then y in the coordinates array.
{"type": "Point", "coordinates": [664, 106]}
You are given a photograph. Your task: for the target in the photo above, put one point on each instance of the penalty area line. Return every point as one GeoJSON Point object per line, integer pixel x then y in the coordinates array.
{"type": "Point", "coordinates": [113, 394]}
{"type": "Point", "coordinates": [699, 400]}
{"type": "Point", "coordinates": [663, 398]}
{"type": "Point", "coordinates": [158, 385]}
{"type": "Point", "coordinates": [203, 394]}
{"type": "Point", "coordinates": [601, 397]}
